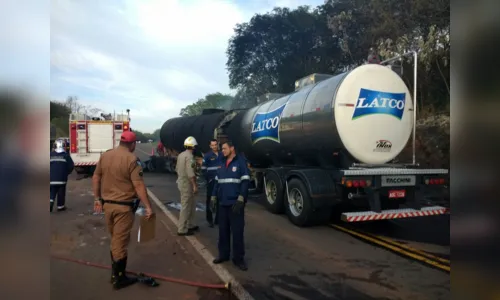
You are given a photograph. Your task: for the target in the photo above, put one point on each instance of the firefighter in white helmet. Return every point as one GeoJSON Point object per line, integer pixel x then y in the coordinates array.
{"type": "Point", "coordinates": [186, 182]}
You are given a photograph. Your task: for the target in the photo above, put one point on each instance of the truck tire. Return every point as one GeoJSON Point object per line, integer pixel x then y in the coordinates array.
{"type": "Point", "coordinates": [151, 165]}
{"type": "Point", "coordinates": [274, 193]}
{"type": "Point", "coordinates": [299, 207]}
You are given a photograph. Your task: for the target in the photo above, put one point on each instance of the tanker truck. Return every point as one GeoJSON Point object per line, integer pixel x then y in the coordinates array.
{"type": "Point", "coordinates": [326, 150]}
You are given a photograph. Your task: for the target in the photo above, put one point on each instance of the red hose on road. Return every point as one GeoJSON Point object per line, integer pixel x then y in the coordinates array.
{"type": "Point", "coordinates": [164, 278]}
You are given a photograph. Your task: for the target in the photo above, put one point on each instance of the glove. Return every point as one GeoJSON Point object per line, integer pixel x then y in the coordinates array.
{"type": "Point", "coordinates": [238, 206]}
{"type": "Point", "coordinates": [213, 203]}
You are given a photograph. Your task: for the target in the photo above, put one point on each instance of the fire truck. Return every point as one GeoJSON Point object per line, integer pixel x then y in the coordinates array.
{"type": "Point", "coordinates": [92, 136]}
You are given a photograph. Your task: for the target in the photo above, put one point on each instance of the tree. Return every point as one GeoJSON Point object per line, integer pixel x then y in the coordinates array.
{"type": "Point", "coordinates": [393, 27]}
{"type": "Point", "coordinates": [60, 111]}
{"type": "Point", "coordinates": [273, 50]}
{"type": "Point", "coordinates": [214, 100]}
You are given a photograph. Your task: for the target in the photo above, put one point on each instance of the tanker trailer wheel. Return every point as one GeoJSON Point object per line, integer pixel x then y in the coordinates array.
{"type": "Point", "coordinates": [151, 165]}
{"type": "Point", "coordinates": [299, 206]}
{"type": "Point", "coordinates": [274, 191]}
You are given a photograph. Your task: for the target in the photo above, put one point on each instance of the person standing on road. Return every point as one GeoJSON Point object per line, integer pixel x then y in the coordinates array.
{"type": "Point", "coordinates": [211, 163]}
{"type": "Point", "coordinates": [61, 165]}
{"type": "Point", "coordinates": [186, 183]}
{"type": "Point", "coordinates": [230, 194]}
{"type": "Point", "coordinates": [160, 149]}
{"type": "Point", "coordinates": [117, 182]}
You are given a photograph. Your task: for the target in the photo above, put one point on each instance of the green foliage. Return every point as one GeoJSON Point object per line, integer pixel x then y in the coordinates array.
{"type": "Point", "coordinates": [271, 51]}
{"type": "Point", "coordinates": [59, 117]}
{"type": "Point", "coordinates": [215, 100]}
{"type": "Point", "coordinates": [144, 137]}
{"type": "Point", "coordinates": [60, 111]}
{"type": "Point", "coordinates": [393, 27]}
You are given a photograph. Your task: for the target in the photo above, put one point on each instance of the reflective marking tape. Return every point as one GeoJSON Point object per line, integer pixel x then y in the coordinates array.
{"type": "Point", "coordinates": [57, 159]}
{"type": "Point", "coordinates": [77, 164]}
{"type": "Point", "coordinates": [393, 214]}
{"type": "Point", "coordinates": [392, 171]}
{"type": "Point", "coordinates": [229, 180]}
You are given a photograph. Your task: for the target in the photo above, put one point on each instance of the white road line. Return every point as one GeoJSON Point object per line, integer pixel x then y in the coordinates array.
{"type": "Point", "coordinates": [148, 154]}
{"type": "Point", "coordinates": [237, 289]}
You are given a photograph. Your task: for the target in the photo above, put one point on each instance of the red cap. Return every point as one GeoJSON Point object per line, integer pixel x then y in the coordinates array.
{"type": "Point", "coordinates": [128, 137]}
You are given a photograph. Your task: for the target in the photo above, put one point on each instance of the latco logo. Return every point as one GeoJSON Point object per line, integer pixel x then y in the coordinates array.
{"type": "Point", "coordinates": [372, 102]}
{"type": "Point", "coordinates": [382, 146]}
{"type": "Point", "coordinates": [265, 126]}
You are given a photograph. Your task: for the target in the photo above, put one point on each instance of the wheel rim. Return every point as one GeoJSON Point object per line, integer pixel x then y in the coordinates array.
{"type": "Point", "coordinates": [271, 192]}
{"type": "Point", "coordinates": [295, 202]}
{"type": "Point", "coordinates": [151, 166]}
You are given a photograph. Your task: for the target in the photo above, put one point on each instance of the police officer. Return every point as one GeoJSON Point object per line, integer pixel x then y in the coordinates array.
{"type": "Point", "coordinates": [61, 165]}
{"type": "Point", "coordinates": [211, 162]}
{"type": "Point", "coordinates": [117, 183]}
{"type": "Point", "coordinates": [230, 194]}
{"type": "Point", "coordinates": [186, 183]}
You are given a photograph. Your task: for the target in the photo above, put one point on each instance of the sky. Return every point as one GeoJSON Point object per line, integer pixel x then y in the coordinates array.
{"type": "Point", "coordinates": [153, 57]}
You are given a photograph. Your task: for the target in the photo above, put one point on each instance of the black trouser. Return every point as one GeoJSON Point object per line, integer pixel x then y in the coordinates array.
{"type": "Point", "coordinates": [210, 218]}
{"type": "Point", "coordinates": [232, 225]}
{"type": "Point", "coordinates": [59, 191]}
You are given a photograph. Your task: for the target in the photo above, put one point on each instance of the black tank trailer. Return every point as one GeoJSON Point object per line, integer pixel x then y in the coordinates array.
{"type": "Point", "coordinates": [325, 150]}
{"type": "Point", "coordinates": [174, 131]}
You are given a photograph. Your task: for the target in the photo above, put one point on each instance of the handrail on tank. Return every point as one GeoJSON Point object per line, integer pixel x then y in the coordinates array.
{"type": "Point", "coordinates": [415, 60]}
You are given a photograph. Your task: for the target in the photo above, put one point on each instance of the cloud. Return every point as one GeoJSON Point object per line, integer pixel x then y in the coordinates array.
{"type": "Point", "coordinates": [151, 56]}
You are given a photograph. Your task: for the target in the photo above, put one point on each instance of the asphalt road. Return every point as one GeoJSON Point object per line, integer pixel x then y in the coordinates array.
{"type": "Point", "coordinates": [78, 234]}
{"type": "Point", "coordinates": [288, 262]}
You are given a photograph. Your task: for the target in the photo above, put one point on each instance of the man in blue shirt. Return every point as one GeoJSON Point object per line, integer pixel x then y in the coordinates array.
{"type": "Point", "coordinates": [230, 194]}
{"type": "Point", "coordinates": [61, 165]}
{"type": "Point", "coordinates": [211, 163]}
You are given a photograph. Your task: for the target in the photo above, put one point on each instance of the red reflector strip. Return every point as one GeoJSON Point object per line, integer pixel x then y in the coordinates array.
{"type": "Point", "coordinates": [346, 104]}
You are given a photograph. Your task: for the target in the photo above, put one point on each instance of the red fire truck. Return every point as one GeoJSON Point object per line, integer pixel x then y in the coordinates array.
{"type": "Point", "coordinates": [91, 136]}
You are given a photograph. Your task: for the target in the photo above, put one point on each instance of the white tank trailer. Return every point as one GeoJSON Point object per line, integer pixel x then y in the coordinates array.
{"type": "Point", "coordinates": [325, 151]}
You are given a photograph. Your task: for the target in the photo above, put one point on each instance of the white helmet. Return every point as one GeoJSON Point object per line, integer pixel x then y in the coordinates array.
{"type": "Point", "coordinates": [59, 146]}
{"type": "Point", "coordinates": [190, 142]}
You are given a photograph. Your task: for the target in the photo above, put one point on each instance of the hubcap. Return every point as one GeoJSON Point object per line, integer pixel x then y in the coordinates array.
{"type": "Point", "coordinates": [271, 192]}
{"type": "Point", "coordinates": [295, 202]}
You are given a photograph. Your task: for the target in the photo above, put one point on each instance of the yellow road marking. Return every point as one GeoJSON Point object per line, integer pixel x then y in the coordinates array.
{"type": "Point", "coordinates": [423, 253]}
{"type": "Point", "coordinates": [394, 248]}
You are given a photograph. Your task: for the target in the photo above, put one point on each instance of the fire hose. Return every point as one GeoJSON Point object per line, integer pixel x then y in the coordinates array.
{"type": "Point", "coordinates": [225, 286]}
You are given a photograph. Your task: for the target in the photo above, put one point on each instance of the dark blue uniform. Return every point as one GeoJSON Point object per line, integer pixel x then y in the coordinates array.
{"type": "Point", "coordinates": [211, 163]}
{"type": "Point", "coordinates": [61, 165]}
{"type": "Point", "coordinates": [231, 186]}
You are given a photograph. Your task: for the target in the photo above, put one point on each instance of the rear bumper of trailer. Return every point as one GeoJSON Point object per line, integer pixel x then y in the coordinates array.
{"type": "Point", "coordinates": [393, 214]}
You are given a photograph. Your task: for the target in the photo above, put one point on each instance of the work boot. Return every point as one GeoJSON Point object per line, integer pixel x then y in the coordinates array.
{"type": "Point", "coordinates": [194, 228]}
{"type": "Point", "coordinates": [241, 265]}
{"type": "Point", "coordinates": [219, 260]}
{"type": "Point", "coordinates": [121, 279]}
{"type": "Point", "coordinates": [189, 232]}
{"type": "Point", "coordinates": [113, 268]}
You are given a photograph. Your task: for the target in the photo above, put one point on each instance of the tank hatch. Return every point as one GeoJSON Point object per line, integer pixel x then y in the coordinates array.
{"type": "Point", "coordinates": [310, 79]}
{"type": "Point", "coordinates": [269, 96]}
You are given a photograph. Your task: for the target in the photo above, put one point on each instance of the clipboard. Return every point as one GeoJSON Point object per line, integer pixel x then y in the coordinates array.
{"type": "Point", "coordinates": [147, 229]}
